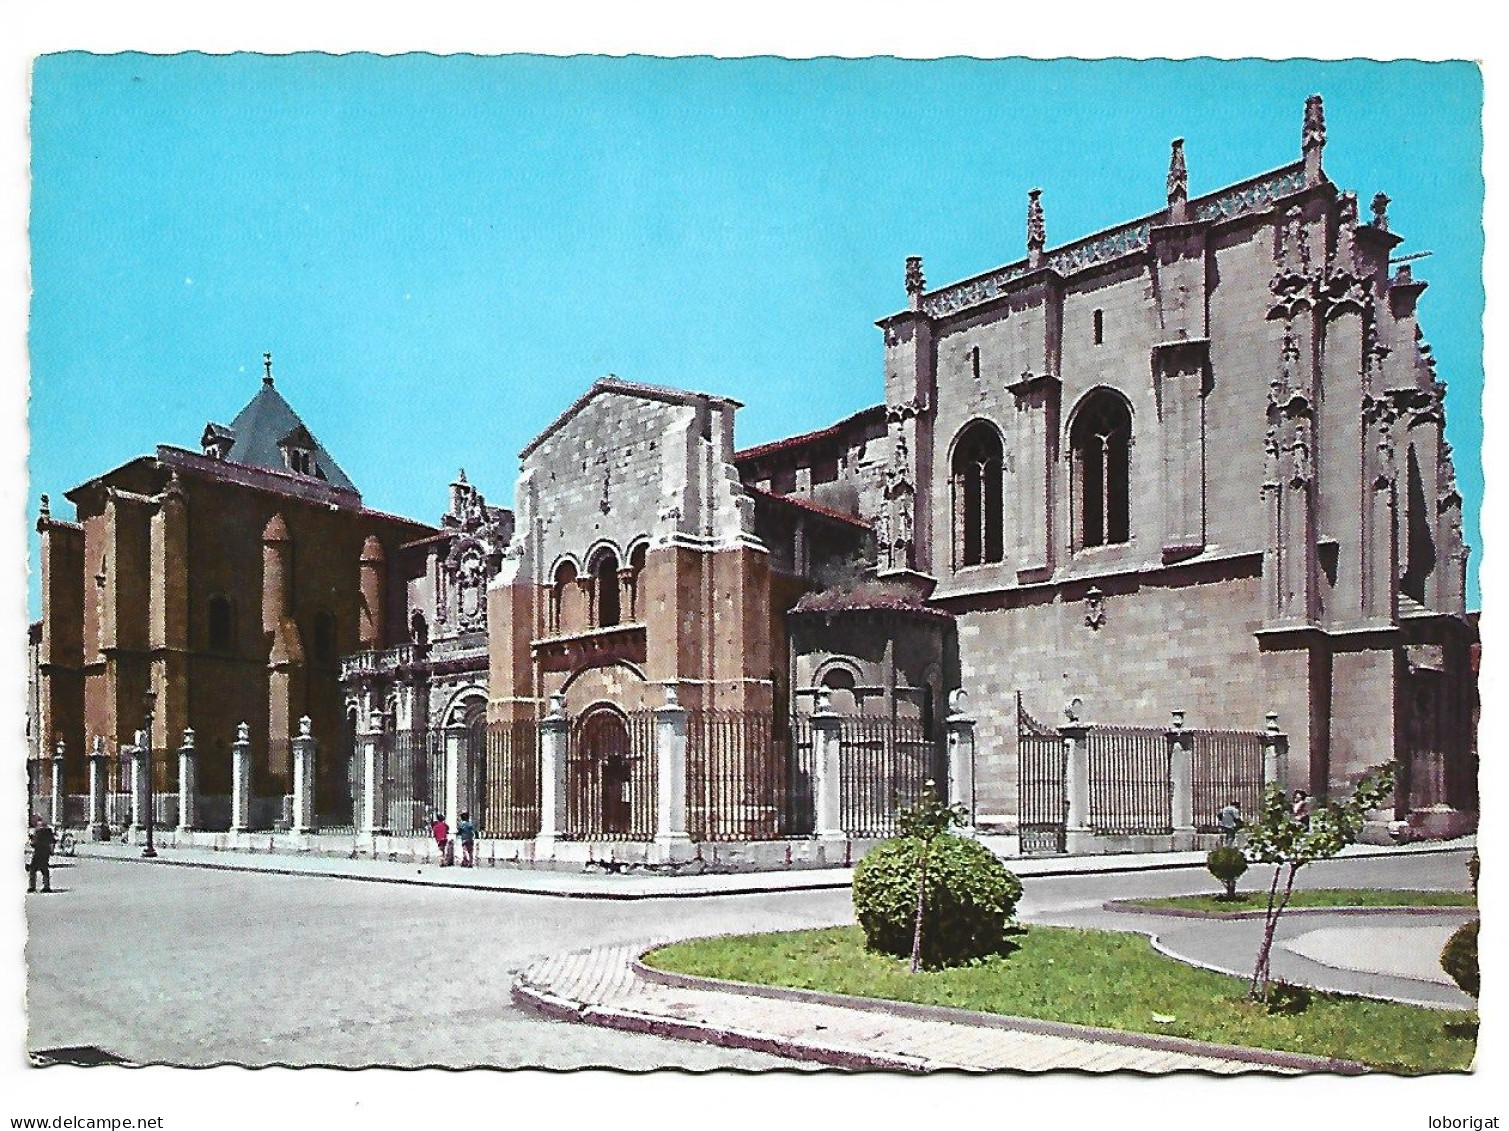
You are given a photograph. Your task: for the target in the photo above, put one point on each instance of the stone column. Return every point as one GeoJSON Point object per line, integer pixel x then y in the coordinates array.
{"type": "Point", "coordinates": [59, 798]}
{"type": "Point", "coordinates": [455, 755]}
{"type": "Point", "coordinates": [671, 836]}
{"type": "Point", "coordinates": [961, 757]}
{"type": "Point", "coordinates": [374, 793]}
{"type": "Point", "coordinates": [141, 793]}
{"type": "Point", "coordinates": [827, 742]}
{"type": "Point", "coordinates": [1076, 787]}
{"type": "Point", "coordinates": [303, 780]}
{"type": "Point", "coordinates": [1275, 753]}
{"type": "Point", "coordinates": [99, 824]}
{"type": "Point", "coordinates": [553, 754]}
{"type": "Point", "coordinates": [188, 784]}
{"type": "Point", "coordinates": [241, 780]}
{"type": "Point", "coordinates": [1181, 777]}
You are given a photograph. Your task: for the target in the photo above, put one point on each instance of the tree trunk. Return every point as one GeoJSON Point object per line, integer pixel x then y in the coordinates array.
{"type": "Point", "coordinates": [917, 926]}
{"type": "Point", "coordinates": [1262, 969]}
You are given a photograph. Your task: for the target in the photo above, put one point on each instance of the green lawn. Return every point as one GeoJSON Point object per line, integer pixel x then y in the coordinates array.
{"type": "Point", "coordinates": [1104, 978]}
{"type": "Point", "coordinates": [1322, 897]}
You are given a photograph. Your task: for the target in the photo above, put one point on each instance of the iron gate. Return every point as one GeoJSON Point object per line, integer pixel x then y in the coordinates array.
{"type": "Point", "coordinates": [610, 786]}
{"type": "Point", "coordinates": [503, 764]}
{"type": "Point", "coordinates": [1040, 781]}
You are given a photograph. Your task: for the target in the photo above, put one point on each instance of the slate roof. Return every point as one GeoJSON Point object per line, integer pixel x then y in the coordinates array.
{"type": "Point", "coordinates": [264, 424]}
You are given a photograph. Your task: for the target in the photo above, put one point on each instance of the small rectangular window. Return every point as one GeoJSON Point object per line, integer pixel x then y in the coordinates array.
{"type": "Point", "coordinates": [1100, 327]}
{"type": "Point", "coordinates": [974, 362]}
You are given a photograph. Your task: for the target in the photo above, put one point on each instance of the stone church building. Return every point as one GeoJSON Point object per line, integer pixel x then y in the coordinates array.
{"type": "Point", "coordinates": [1193, 463]}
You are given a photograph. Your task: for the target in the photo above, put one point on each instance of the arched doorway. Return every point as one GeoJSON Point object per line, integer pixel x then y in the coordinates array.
{"type": "Point", "coordinates": [611, 792]}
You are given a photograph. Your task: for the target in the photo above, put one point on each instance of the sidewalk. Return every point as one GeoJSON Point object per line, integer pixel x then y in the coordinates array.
{"type": "Point", "coordinates": [606, 986]}
{"type": "Point", "coordinates": [419, 867]}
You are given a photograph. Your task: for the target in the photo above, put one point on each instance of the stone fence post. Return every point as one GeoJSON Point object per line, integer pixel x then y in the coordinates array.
{"type": "Point", "coordinates": [374, 773]}
{"type": "Point", "coordinates": [99, 781]}
{"type": "Point", "coordinates": [671, 835]}
{"type": "Point", "coordinates": [827, 743]}
{"type": "Point", "coordinates": [241, 780]}
{"type": "Point", "coordinates": [188, 784]}
{"type": "Point", "coordinates": [1275, 753]}
{"type": "Point", "coordinates": [304, 747]}
{"type": "Point", "coordinates": [456, 798]}
{"type": "Point", "coordinates": [1181, 778]}
{"type": "Point", "coordinates": [1076, 786]}
{"type": "Point", "coordinates": [141, 792]}
{"type": "Point", "coordinates": [59, 797]}
{"type": "Point", "coordinates": [961, 757]}
{"type": "Point", "coordinates": [554, 737]}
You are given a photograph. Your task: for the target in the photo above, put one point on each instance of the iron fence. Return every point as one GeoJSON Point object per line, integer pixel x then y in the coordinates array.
{"type": "Point", "coordinates": [501, 777]}
{"type": "Point", "coordinates": [743, 782]}
{"type": "Point", "coordinates": [1129, 782]}
{"type": "Point", "coordinates": [883, 766]}
{"type": "Point", "coordinates": [414, 778]}
{"type": "Point", "coordinates": [611, 776]}
{"type": "Point", "coordinates": [339, 792]}
{"type": "Point", "coordinates": [1043, 803]}
{"type": "Point", "coordinates": [1228, 766]}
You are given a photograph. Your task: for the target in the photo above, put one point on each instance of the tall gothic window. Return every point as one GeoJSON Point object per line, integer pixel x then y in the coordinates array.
{"type": "Point", "coordinates": [1101, 439]}
{"type": "Point", "coordinates": [1419, 550]}
{"type": "Point", "coordinates": [605, 582]}
{"type": "Point", "coordinates": [222, 629]}
{"type": "Point", "coordinates": [324, 637]}
{"type": "Point", "coordinates": [978, 502]}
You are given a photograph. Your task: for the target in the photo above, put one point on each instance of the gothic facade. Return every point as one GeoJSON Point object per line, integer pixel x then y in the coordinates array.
{"type": "Point", "coordinates": [1193, 463]}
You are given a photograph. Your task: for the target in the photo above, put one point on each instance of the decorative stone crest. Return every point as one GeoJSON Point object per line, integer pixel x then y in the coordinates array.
{"type": "Point", "coordinates": [1095, 609]}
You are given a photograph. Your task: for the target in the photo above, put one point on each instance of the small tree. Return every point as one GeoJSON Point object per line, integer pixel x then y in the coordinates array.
{"type": "Point", "coordinates": [926, 821]}
{"type": "Point", "coordinates": [1227, 864]}
{"type": "Point", "coordinates": [1277, 837]}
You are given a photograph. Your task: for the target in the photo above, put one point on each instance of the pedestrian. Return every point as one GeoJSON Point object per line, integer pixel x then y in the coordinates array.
{"type": "Point", "coordinates": [1230, 820]}
{"type": "Point", "coordinates": [442, 833]}
{"type": "Point", "coordinates": [1300, 810]}
{"type": "Point", "coordinates": [466, 832]}
{"type": "Point", "coordinates": [42, 840]}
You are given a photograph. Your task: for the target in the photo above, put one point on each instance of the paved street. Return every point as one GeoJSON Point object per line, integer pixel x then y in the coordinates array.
{"type": "Point", "coordinates": [251, 969]}
{"type": "Point", "coordinates": [262, 969]}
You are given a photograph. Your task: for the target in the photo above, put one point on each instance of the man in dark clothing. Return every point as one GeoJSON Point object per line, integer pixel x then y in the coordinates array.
{"type": "Point", "coordinates": [42, 840]}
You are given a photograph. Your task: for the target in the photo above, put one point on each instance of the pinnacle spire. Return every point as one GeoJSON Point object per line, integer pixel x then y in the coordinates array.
{"type": "Point", "coordinates": [1313, 138]}
{"type": "Point", "coordinates": [1178, 179]}
{"type": "Point", "coordinates": [267, 368]}
{"type": "Point", "coordinates": [1037, 230]}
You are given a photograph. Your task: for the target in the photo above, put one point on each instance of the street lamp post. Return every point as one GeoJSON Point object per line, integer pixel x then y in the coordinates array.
{"type": "Point", "coordinates": [149, 701]}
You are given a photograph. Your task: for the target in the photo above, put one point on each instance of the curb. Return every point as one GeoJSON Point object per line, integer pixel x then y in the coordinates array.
{"type": "Point", "coordinates": [1267, 1058]}
{"type": "Point", "coordinates": [1128, 907]}
{"type": "Point", "coordinates": [493, 887]}
{"type": "Point", "coordinates": [541, 1001]}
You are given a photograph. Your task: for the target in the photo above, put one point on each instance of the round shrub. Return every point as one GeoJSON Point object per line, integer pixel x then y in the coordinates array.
{"type": "Point", "coordinates": [1227, 865]}
{"type": "Point", "coordinates": [1459, 957]}
{"type": "Point", "coordinates": [970, 898]}
{"type": "Point", "coordinates": [1474, 866]}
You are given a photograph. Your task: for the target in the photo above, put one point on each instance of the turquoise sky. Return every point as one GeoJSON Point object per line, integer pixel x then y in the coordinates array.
{"type": "Point", "coordinates": [441, 252]}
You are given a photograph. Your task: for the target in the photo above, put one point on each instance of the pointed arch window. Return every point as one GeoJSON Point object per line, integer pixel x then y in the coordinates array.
{"type": "Point", "coordinates": [977, 496]}
{"type": "Point", "coordinates": [1101, 444]}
